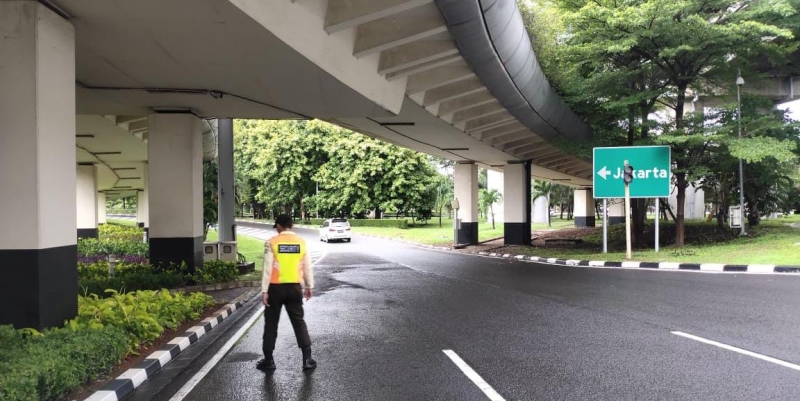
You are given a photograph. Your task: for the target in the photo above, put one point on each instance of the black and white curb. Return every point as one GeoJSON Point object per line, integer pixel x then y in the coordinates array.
{"type": "Point", "coordinates": [706, 267]}
{"type": "Point", "coordinates": [126, 383]}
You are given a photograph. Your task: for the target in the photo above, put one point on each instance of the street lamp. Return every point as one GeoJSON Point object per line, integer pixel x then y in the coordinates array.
{"type": "Point", "coordinates": [739, 83]}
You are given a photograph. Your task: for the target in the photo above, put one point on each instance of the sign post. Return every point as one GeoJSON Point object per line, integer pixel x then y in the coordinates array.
{"type": "Point", "coordinates": [605, 225]}
{"type": "Point", "coordinates": [658, 219]}
{"type": "Point", "coordinates": [614, 177]}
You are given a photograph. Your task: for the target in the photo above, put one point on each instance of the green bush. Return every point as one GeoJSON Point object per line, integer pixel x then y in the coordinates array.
{"type": "Point", "coordinates": [142, 315]}
{"type": "Point", "coordinates": [215, 271]}
{"type": "Point", "coordinates": [49, 365]}
{"type": "Point", "coordinates": [116, 232]}
{"type": "Point", "coordinates": [396, 223]}
{"type": "Point", "coordinates": [94, 246]}
{"type": "Point", "coordinates": [152, 280]}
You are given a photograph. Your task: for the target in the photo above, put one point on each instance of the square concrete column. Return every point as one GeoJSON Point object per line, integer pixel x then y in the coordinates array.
{"type": "Point", "coordinates": [495, 180]}
{"type": "Point", "coordinates": [517, 203]}
{"type": "Point", "coordinates": [142, 205]}
{"type": "Point", "coordinates": [616, 211]}
{"type": "Point", "coordinates": [584, 208]}
{"type": "Point", "coordinates": [38, 245]}
{"type": "Point", "coordinates": [466, 191]}
{"type": "Point", "coordinates": [101, 208]}
{"type": "Point", "coordinates": [175, 189]}
{"type": "Point", "coordinates": [86, 198]}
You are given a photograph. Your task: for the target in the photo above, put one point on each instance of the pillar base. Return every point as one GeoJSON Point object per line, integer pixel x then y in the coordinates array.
{"type": "Point", "coordinates": [614, 220]}
{"type": "Point", "coordinates": [468, 234]}
{"type": "Point", "coordinates": [581, 221]}
{"type": "Point", "coordinates": [166, 251]}
{"type": "Point", "coordinates": [87, 233]}
{"type": "Point", "coordinates": [39, 287]}
{"type": "Point", "coordinates": [517, 233]}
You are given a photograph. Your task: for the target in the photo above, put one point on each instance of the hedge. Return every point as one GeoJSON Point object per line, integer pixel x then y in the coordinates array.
{"type": "Point", "coordinates": [395, 223]}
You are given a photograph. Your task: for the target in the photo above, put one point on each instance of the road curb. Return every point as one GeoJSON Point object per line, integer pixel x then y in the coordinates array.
{"type": "Point", "coordinates": [705, 267]}
{"type": "Point", "coordinates": [125, 384]}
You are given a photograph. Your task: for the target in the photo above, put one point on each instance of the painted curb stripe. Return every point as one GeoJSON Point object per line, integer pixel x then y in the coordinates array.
{"type": "Point", "coordinates": [125, 384]}
{"type": "Point", "coordinates": [707, 267]}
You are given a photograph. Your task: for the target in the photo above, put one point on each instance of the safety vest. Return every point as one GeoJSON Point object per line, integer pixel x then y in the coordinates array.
{"type": "Point", "coordinates": [288, 250]}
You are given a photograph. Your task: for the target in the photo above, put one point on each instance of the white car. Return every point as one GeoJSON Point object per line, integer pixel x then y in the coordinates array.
{"type": "Point", "coordinates": [335, 229]}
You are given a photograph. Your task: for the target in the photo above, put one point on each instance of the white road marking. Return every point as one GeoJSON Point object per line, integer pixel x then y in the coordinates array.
{"type": "Point", "coordinates": [190, 385]}
{"type": "Point", "coordinates": [739, 350]}
{"type": "Point", "coordinates": [474, 376]}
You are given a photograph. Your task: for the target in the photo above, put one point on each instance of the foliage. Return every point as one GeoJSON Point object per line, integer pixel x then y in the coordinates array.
{"type": "Point", "coordinates": [142, 315]}
{"type": "Point", "coordinates": [398, 223]}
{"type": "Point", "coordinates": [488, 198]}
{"type": "Point", "coordinates": [116, 232]}
{"type": "Point", "coordinates": [215, 271]}
{"type": "Point", "coordinates": [51, 364]}
{"type": "Point", "coordinates": [544, 189]}
{"type": "Point", "coordinates": [210, 195]}
{"type": "Point", "coordinates": [95, 246]}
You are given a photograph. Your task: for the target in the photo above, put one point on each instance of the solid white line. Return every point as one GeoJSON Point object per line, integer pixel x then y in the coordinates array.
{"type": "Point", "coordinates": [739, 350]}
{"type": "Point", "coordinates": [190, 385]}
{"type": "Point", "coordinates": [472, 375]}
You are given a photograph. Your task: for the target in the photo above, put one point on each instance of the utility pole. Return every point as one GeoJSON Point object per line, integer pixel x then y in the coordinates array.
{"type": "Point", "coordinates": [739, 83]}
{"type": "Point", "coordinates": [627, 178]}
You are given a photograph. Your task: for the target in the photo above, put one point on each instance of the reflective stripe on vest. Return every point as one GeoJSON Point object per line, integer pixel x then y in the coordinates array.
{"type": "Point", "coordinates": [289, 251]}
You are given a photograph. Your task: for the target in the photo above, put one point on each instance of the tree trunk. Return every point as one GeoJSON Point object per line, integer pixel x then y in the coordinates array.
{"type": "Point", "coordinates": [666, 208]}
{"type": "Point", "coordinates": [547, 198]}
{"type": "Point", "coordinates": [440, 217]}
{"type": "Point", "coordinates": [680, 224]}
{"type": "Point", "coordinates": [492, 210]}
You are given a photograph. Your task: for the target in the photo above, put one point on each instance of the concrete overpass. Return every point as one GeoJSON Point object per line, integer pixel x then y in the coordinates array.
{"type": "Point", "coordinates": [133, 87]}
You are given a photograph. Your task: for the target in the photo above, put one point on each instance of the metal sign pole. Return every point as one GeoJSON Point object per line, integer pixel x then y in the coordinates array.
{"type": "Point", "coordinates": [658, 218]}
{"type": "Point", "coordinates": [605, 225]}
{"type": "Point", "coordinates": [628, 253]}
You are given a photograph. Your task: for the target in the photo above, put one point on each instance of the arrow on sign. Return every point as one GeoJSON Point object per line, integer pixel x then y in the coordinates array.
{"type": "Point", "coordinates": [603, 173]}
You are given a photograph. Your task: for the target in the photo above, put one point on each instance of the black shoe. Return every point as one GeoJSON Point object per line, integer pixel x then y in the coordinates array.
{"type": "Point", "coordinates": [266, 364]}
{"type": "Point", "coordinates": [308, 361]}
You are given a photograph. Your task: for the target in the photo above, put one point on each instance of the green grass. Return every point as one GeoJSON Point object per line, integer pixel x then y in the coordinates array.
{"type": "Point", "coordinates": [772, 242]}
{"type": "Point", "coordinates": [129, 223]}
{"type": "Point", "coordinates": [431, 233]}
{"type": "Point", "coordinates": [251, 248]}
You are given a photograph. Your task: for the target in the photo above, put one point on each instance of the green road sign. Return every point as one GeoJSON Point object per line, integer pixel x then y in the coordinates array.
{"type": "Point", "coordinates": [651, 174]}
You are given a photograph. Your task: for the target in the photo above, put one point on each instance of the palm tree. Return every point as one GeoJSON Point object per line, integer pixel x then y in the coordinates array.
{"type": "Point", "coordinates": [489, 198]}
{"type": "Point", "coordinates": [544, 189]}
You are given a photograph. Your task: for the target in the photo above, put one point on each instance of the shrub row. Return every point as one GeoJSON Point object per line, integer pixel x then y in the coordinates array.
{"type": "Point", "coordinates": [46, 366]}
{"type": "Point", "coordinates": [111, 231]}
{"type": "Point", "coordinates": [395, 223]}
{"type": "Point", "coordinates": [93, 277]}
{"type": "Point", "coordinates": [95, 246]}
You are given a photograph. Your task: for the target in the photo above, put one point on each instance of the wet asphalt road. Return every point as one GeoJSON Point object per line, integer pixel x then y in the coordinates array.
{"type": "Point", "coordinates": [384, 312]}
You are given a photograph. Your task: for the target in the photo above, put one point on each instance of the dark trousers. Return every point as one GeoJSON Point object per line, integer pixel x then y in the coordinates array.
{"type": "Point", "coordinates": [291, 296]}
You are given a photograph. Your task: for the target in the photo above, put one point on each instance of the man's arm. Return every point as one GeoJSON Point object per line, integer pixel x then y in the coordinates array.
{"type": "Point", "coordinates": [269, 259]}
{"type": "Point", "coordinates": [308, 271]}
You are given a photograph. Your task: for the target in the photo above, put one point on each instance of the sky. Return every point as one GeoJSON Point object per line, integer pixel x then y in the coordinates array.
{"type": "Point", "coordinates": [794, 108]}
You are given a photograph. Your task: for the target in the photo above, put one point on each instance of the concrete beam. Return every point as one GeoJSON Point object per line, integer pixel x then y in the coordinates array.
{"type": "Point", "coordinates": [437, 77]}
{"type": "Point", "coordinates": [343, 14]}
{"type": "Point", "coordinates": [465, 102]}
{"type": "Point", "coordinates": [522, 143]}
{"type": "Point", "coordinates": [488, 122]}
{"type": "Point", "coordinates": [137, 126]}
{"type": "Point", "coordinates": [510, 137]}
{"type": "Point", "coordinates": [526, 149]}
{"type": "Point", "coordinates": [397, 30]}
{"type": "Point", "coordinates": [452, 91]}
{"type": "Point", "coordinates": [556, 157]}
{"type": "Point", "coordinates": [415, 53]}
{"type": "Point", "coordinates": [502, 130]}
{"type": "Point", "coordinates": [425, 67]}
{"type": "Point", "coordinates": [475, 112]}
{"type": "Point", "coordinates": [541, 152]}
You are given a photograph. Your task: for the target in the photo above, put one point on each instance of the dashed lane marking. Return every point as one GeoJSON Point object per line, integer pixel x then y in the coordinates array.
{"type": "Point", "coordinates": [474, 376]}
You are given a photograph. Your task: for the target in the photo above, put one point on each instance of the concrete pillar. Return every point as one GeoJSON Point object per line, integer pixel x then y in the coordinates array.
{"type": "Point", "coordinates": [86, 201]}
{"type": "Point", "coordinates": [175, 189]}
{"type": "Point", "coordinates": [517, 184]}
{"type": "Point", "coordinates": [466, 191]}
{"type": "Point", "coordinates": [495, 180]}
{"type": "Point", "coordinates": [541, 210]}
{"type": "Point", "coordinates": [616, 212]}
{"type": "Point", "coordinates": [101, 208]}
{"type": "Point", "coordinates": [38, 245]}
{"type": "Point", "coordinates": [584, 208]}
{"type": "Point", "coordinates": [226, 216]}
{"type": "Point", "coordinates": [143, 202]}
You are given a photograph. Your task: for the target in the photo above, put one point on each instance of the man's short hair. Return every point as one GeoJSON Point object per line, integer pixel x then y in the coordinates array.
{"type": "Point", "coordinates": [284, 220]}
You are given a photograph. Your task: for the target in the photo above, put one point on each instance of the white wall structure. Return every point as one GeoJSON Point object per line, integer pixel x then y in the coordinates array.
{"type": "Point", "coordinates": [616, 211]}
{"type": "Point", "coordinates": [517, 184]}
{"type": "Point", "coordinates": [86, 201]}
{"type": "Point", "coordinates": [584, 213]}
{"type": "Point", "coordinates": [175, 195]}
{"type": "Point", "coordinates": [143, 201]}
{"type": "Point", "coordinates": [494, 180]}
{"type": "Point", "coordinates": [465, 179]}
{"type": "Point", "coordinates": [540, 210]}
{"type": "Point", "coordinates": [694, 204]}
{"type": "Point", "coordinates": [37, 166]}
{"type": "Point", "coordinates": [101, 208]}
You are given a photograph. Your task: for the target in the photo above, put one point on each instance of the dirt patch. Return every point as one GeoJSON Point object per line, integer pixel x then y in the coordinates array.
{"type": "Point", "coordinates": [167, 336]}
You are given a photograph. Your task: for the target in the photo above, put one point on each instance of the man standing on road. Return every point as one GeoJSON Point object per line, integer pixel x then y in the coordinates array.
{"type": "Point", "coordinates": [287, 264]}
